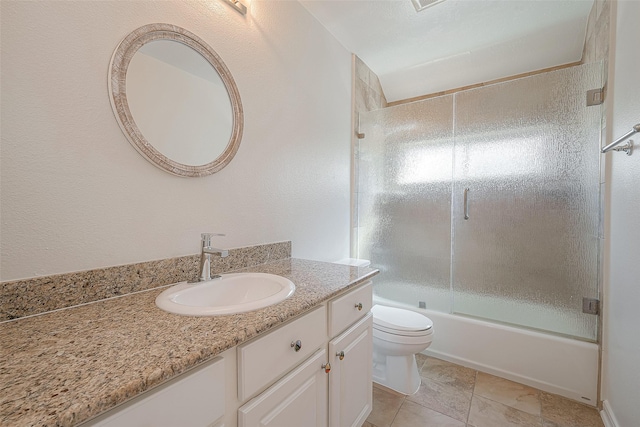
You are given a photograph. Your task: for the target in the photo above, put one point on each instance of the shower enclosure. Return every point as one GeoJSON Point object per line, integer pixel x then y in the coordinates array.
{"type": "Point", "coordinates": [486, 202]}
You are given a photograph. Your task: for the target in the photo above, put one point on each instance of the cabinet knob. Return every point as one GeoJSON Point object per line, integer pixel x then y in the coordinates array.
{"type": "Point", "coordinates": [296, 345]}
{"type": "Point", "coordinates": [340, 354]}
{"type": "Point", "coordinates": [359, 306]}
{"type": "Point", "coordinates": [326, 367]}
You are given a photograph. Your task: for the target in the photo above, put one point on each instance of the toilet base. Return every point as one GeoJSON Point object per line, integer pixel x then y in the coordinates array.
{"type": "Point", "coordinates": [399, 373]}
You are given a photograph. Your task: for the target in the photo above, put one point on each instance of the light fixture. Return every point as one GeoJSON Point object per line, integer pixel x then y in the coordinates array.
{"type": "Point", "coordinates": [237, 6]}
{"type": "Point", "coordinates": [421, 5]}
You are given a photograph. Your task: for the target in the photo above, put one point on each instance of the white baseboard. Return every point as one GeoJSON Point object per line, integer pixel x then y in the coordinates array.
{"type": "Point", "coordinates": [608, 418]}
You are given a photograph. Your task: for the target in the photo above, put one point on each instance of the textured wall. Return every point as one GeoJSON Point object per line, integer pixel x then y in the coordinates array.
{"type": "Point", "coordinates": [621, 345]}
{"type": "Point", "coordinates": [75, 195]}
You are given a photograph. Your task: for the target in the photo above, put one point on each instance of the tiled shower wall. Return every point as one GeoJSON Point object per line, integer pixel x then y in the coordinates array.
{"type": "Point", "coordinates": [368, 91]}
{"type": "Point", "coordinates": [367, 96]}
{"type": "Point", "coordinates": [596, 48]}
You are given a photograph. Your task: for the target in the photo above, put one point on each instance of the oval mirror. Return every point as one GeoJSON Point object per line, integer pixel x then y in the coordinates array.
{"type": "Point", "coordinates": [175, 100]}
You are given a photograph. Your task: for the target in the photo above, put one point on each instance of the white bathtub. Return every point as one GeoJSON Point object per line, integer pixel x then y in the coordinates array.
{"type": "Point", "coordinates": [554, 364]}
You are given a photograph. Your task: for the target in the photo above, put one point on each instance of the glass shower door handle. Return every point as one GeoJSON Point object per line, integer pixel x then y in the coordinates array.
{"type": "Point", "coordinates": [466, 203]}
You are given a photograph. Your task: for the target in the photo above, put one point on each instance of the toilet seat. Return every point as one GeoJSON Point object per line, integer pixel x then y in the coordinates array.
{"type": "Point", "coordinates": [397, 321]}
{"type": "Point", "coordinates": [391, 331]}
{"type": "Point", "coordinates": [402, 339]}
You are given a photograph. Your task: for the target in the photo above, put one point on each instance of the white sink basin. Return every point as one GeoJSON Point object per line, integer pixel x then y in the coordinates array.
{"type": "Point", "coordinates": [233, 293]}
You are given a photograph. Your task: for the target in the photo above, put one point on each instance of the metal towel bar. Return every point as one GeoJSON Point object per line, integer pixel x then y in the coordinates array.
{"type": "Point", "coordinates": [628, 147]}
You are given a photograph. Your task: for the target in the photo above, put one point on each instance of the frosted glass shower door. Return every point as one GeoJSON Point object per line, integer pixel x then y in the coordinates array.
{"type": "Point", "coordinates": [527, 157]}
{"type": "Point", "coordinates": [405, 167]}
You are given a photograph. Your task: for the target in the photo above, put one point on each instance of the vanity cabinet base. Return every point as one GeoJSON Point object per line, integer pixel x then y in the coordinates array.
{"type": "Point", "coordinates": [196, 399]}
{"type": "Point", "coordinates": [298, 399]}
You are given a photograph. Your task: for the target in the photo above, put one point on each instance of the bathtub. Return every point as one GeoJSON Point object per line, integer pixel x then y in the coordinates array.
{"type": "Point", "coordinates": [547, 362]}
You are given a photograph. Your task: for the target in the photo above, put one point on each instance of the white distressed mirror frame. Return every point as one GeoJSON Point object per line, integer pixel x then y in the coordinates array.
{"type": "Point", "coordinates": [118, 97]}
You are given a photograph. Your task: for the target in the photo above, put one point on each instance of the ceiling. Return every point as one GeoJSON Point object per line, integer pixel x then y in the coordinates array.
{"type": "Point", "coordinates": [454, 43]}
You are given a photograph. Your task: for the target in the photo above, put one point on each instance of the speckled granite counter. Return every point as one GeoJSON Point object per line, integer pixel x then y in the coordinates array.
{"type": "Point", "coordinates": [64, 367]}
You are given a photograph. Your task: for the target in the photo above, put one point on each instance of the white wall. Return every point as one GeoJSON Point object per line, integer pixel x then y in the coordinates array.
{"type": "Point", "coordinates": [75, 195]}
{"type": "Point", "coordinates": [621, 338]}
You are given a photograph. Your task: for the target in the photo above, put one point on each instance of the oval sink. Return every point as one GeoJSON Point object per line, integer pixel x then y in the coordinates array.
{"type": "Point", "coordinates": [230, 294]}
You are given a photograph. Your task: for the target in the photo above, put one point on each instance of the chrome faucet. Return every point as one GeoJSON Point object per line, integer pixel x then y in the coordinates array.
{"type": "Point", "coordinates": [205, 256]}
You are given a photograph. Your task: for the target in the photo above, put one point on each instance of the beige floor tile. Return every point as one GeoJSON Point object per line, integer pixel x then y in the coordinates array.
{"type": "Point", "coordinates": [388, 390]}
{"type": "Point", "coordinates": [567, 413]}
{"type": "Point", "coordinates": [449, 373]}
{"type": "Point", "coordinates": [547, 423]}
{"type": "Point", "coordinates": [509, 393]}
{"type": "Point", "coordinates": [385, 407]}
{"type": "Point", "coordinates": [487, 413]}
{"type": "Point", "coordinates": [420, 359]}
{"type": "Point", "coordinates": [414, 415]}
{"type": "Point", "coordinates": [443, 398]}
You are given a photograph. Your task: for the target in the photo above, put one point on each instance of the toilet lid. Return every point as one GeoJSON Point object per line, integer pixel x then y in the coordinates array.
{"type": "Point", "coordinates": [398, 319]}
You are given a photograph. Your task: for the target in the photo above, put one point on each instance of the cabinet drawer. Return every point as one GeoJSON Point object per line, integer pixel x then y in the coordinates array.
{"type": "Point", "coordinates": [344, 310]}
{"type": "Point", "coordinates": [265, 359]}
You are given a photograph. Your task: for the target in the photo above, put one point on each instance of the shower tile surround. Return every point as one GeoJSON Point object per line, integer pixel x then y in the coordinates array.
{"type": "Point", "coordinates": [367, 96]}
{"type": "Point", "coordinates": [368, 90]}
{"type": "Point", "coordinates": [596, 46]}
{"type": "Point", "coordinates": [20, 298]}
{"type": "Point", "coordinates": [455, 396]}
{"type": "Point", "coordinates": [64, 367]}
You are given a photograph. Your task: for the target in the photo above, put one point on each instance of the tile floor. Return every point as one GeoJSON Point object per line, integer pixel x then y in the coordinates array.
{"type": "Point", "coordinates": [455, 396]}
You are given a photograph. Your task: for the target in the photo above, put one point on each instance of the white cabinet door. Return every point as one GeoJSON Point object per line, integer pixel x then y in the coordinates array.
{"type": "Point", "coordinates": [194, 399]}
{"type": "Point", "coordinates": [350, 381]}
{"type": "Point", "coordinates": [297, 400]}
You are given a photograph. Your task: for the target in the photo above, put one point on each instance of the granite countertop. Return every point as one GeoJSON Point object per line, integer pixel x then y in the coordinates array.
{"type": "Point", "coordinates": [67, 366]}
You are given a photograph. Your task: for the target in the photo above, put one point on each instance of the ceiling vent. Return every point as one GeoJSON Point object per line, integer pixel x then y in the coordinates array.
{"type": "Point", "coordinates": [421, 5]}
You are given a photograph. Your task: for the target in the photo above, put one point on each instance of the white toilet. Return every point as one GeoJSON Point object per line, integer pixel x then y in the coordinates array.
{"type": "Point", "coordinates": [398, 335]}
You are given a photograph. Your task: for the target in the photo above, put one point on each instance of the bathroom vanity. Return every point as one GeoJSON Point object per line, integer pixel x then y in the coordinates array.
{"type": "Point", "coordinates": [118, 362]}
{"type": "Point", "coordinates": [314, 370]}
